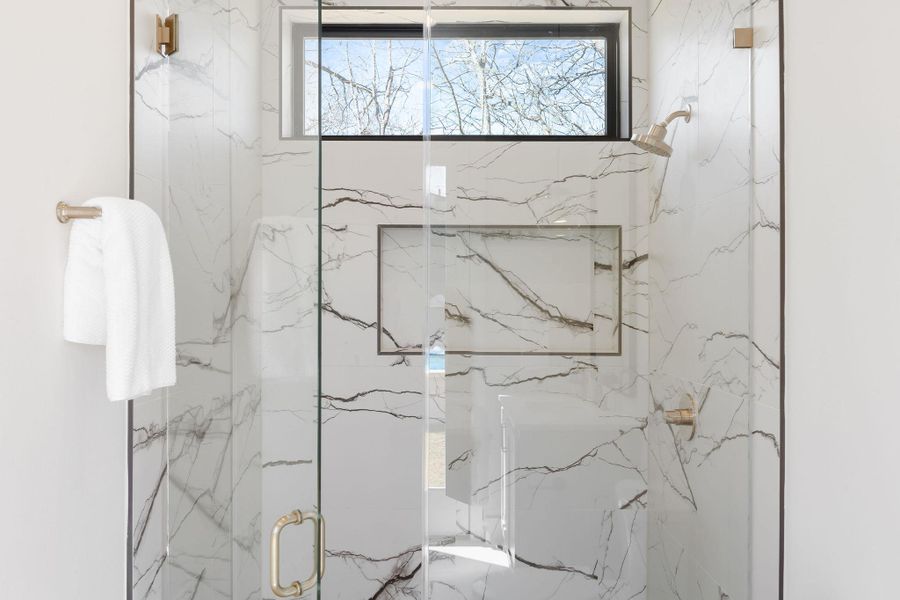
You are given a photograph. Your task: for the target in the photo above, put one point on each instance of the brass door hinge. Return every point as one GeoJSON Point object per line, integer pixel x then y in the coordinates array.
{"type": "Point", "coordinates": [743, 37]}
{"type": "Point", "coordinates": [167, 35]}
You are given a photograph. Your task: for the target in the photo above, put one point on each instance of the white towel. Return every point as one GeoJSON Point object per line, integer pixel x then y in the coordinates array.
{"type": "Point", "coordinates": [119, 292]}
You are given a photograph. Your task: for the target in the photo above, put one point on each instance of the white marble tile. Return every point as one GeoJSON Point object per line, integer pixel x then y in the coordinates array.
{"type": "Point", "coordinates": [700, 295]}
{"type": "Point", "coordinates": [567, 554]}
{"type": "Point", "coordinates": [577, 432]}
{"type": "Point", "coordinates": [673, 573]}
{"type": "Point", "coordinates": [700, 488]}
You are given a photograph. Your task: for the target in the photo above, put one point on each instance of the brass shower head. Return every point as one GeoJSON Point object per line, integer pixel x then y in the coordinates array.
{"type": "Point", "coordinates": [654, 141]}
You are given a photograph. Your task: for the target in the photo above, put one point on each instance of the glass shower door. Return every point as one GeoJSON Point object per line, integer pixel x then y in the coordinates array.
{"type": "Point", "coordinates": [220, 457]}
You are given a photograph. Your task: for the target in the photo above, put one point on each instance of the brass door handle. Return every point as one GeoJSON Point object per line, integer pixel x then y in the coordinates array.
{"type": "Point", "coordinates": [296, 588]}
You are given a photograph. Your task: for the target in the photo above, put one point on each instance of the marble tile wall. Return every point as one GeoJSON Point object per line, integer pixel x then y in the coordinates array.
{"type": "Point", "coordinates": [714, 294]}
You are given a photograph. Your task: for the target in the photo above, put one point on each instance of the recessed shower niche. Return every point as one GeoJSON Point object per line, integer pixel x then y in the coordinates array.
{"type": "Point", "coordinates": [526, 289]}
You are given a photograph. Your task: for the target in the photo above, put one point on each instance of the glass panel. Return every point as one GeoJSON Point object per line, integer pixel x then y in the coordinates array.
{"type": "Point", "coordinates": [288, 285]}
{"type": "Point", "coordinates": [234, 445]}
{"type": "Point", "coordinates": [700, 269]}
{"type": "Point", "coordinates": [186, 448]}
{"type": "Point", "coordinates": [561, 477]}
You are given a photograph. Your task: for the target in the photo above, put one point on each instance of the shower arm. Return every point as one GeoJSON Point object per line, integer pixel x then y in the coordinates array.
{"type": "Point", "coordinates": [678, 113]}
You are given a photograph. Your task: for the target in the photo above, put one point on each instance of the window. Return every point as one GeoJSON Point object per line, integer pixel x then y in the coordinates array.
{"type": "Point", "coordinates": [522, 81]}
{"type": "Point", "coordinates": [489, 80]}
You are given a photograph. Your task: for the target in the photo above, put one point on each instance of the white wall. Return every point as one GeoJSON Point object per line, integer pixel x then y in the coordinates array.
{"type": "Point", "coordinates": [63, 135]}
{"type": "Point", "coordinates": [843, 300]}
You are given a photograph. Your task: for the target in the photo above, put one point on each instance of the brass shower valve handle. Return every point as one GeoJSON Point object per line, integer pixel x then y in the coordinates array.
{"type": "Point", "coordinates": [680, 416]}
{"type": "Point", "coordinates": [684, 416]}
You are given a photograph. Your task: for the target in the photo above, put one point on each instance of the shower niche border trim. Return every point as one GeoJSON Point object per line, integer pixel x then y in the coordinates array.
{"type": "Point", "coordinates": [417, 349]}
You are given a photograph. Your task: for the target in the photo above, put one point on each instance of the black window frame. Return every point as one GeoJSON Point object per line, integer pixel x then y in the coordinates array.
{"type": "Point", "coordinates": [608, 31]}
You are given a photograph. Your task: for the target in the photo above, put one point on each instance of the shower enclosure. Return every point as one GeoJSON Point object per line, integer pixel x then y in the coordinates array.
{"type": "Point", "coordinates": [441, 322]}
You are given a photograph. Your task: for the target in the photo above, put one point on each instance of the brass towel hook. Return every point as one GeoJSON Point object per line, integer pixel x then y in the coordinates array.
{"type": "Point", "coordinates": [64, 212]}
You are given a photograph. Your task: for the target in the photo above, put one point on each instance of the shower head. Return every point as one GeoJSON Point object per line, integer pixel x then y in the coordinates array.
{"type": "Point", "coordinates": [654, 141]}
